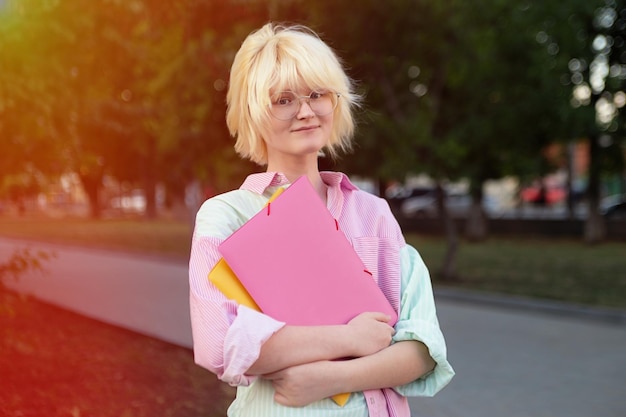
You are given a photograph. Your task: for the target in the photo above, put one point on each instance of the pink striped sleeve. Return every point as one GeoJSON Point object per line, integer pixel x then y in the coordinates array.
{"type": "Point", "coordinates": [226, 338]}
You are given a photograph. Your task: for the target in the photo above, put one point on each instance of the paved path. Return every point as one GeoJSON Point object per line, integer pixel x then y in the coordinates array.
{"type": "Point", "coordinates": [143, 294]}
{"type": "Point", "coordinates": [510, 362]}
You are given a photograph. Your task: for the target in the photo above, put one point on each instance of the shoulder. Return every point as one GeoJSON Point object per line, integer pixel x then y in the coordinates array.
{"type": "Point", "coordinates": [221, 215]}
{"type": "Point", "coordinates": [370, 199]}
{"type": "Point", "coordinates": [340, 181]}
{"type": "Point", "coordinates": [370, 215]}
{"type": "Point", "coordinates": [369, 202]}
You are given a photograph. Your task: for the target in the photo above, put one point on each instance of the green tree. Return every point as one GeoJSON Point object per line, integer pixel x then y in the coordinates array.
{"type": "Point", "coordinates": [61, 85]}
{"type": "Point", "coordinates": [454, 89]}
{"type": "Point", "coordinates": [24, 93]}
{"type": "Point", "coordinates": [593, 55]}
{"type": "Point", "coordinates": [132, 90]}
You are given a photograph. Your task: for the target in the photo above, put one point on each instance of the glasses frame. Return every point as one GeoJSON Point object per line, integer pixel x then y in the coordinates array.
{"type": "Point", "coordinates": [332, 94]}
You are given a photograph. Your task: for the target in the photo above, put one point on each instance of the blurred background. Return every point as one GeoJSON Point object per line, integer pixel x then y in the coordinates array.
{"type": "Point", "coordinates": [506, 109]}
{"type": "Point", "coordinates": [493, 117]}
{"type": "Point", "coordinates": [495, 129]}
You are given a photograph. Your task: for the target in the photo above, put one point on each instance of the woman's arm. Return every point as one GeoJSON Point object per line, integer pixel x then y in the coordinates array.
{"type": "Point", "coordinates": [296, 345]}
{"type": "Point", "coordinates": [406, 365]}
{"type": "Point", "coordinates": [395, 365]}
{"type": "Point", "coordinates": [399, 364]}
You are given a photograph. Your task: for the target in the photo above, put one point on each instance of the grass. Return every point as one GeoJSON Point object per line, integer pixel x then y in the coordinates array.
{"type": "Point", "coordinates": [563, 270]}
{"type": "Point", "coordinates": [164, 237]}
{"type": "Point", "coordinates": [55, 363]}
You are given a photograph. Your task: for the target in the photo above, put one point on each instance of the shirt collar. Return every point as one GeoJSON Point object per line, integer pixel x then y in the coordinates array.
{"type": "Point", "coordinates": [260, 182]}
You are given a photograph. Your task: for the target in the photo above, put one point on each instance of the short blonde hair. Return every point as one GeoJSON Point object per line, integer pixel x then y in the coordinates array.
{"type": "Point", "coordinates": [277, 58]}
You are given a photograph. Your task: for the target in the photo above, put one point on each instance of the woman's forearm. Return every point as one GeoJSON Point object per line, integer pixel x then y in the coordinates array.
{"type": "Point", "coordinates": [393, 366]}
{"type": "Point", "coordinates": [399, 364]}
{"type": "Point", "coordinates": [296, 345]}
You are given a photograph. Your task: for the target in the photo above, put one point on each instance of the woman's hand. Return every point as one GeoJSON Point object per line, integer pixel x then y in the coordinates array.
{"type": "Point", "coordinates": [301, 385]}
{"type": "Point", "coordinates": [369, 333]}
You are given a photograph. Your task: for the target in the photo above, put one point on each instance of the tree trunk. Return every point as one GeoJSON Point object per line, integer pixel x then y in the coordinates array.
{"type": "Point", "coordinates": [150, 193]}
{"type": "Point", "coordinates": [448, 269]}
{"type": "Point", "coordinates": [595, 228]}
{"type": "Point", "coordinates": [92, 182]}
{"type": "Point", "coordinates": [150, 180]}
{"type": "Point", "coordinates": [476, 227]}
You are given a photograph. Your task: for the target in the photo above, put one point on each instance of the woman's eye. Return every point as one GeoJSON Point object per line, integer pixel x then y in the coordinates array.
{"type": "Point", "coordinates": [283, 101]}
{"type": "Point", "coordinates": [315, 95]}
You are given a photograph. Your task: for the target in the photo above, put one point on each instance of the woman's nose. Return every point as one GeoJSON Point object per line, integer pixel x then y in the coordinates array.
{"type": "Point", "coordinates": [305, 111]}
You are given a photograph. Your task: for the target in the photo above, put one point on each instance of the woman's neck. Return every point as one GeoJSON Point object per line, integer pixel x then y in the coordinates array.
{"type": "Point", "coordinates": [312, 173]}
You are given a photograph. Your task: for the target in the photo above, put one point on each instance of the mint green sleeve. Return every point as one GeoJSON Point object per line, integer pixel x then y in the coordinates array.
{"type": "Point", "coordinates": [418, 321]}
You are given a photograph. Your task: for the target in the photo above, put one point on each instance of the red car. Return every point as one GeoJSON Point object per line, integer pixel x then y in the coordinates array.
{"type": "Point", "coordinates": [551, 195]}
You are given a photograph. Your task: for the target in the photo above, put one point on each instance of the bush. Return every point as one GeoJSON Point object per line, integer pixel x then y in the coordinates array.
{"type": "Point", "coordinates": [21, 261]}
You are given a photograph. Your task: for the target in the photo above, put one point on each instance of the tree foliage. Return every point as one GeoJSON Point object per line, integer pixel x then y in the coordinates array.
{"type": "Point", "coordinates": [453, 89]}
{"type": "Point", "coordinates": [591, 45]}
{"type": "Point", "coordinates": [135, 90]}
{"type": "Point", "coordinates": [446, 83]}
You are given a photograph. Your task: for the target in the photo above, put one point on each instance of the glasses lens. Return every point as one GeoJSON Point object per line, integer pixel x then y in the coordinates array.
{"type": "Point", "coordinates": [286, 104]}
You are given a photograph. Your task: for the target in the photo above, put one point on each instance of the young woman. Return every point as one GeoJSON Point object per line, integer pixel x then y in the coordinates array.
{"type": "Point", "coordinates": [289, 99]}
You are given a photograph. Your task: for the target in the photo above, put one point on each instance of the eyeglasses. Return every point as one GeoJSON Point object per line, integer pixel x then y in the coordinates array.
{"type": "Point", "coordinates": [285, 105]}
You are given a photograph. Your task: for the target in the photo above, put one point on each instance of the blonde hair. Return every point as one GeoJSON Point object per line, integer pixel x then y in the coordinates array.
{"type": "Point", "coordinates": [277, 58]}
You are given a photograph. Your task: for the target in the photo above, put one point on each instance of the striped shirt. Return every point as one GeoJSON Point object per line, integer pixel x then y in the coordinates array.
{"type": "Point", "coordinates": [227, 338]}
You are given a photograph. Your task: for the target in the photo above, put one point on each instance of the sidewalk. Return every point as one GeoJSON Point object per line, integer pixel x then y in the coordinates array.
{"type": "Point", "coordinates": [513, 357]}
{"type": "Point", "coordinates": [143, 294]}
{"type": "Point", "coordinates": [520, 363]}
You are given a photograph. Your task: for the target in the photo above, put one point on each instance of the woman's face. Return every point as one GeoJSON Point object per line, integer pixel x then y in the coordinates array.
{"type": "Point", "coordinates": [300, 125]}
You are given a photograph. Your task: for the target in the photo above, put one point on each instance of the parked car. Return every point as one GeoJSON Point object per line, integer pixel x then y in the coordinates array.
{"type": "Point", "coordinates": [614, 207]}
{"type": "Point", "coordinates": [133, 202]}
{"type": "Point", "coordinates": [543, 195]}
{"type": "Point", "coordinates": [458, 205]}
{"type": "Point", "coordinates": [398, 195]}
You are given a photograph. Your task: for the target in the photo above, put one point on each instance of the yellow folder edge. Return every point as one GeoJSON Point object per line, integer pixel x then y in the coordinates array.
{"type": "Point", "coordinates": [225, 280]}
{"type": "Point", "coordinates": [223, 277]}
{"type": "Point", "coordinates": [276, 194]}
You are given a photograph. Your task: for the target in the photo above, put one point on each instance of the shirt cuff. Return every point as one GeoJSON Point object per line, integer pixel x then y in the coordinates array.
{"type": "Point", "coordinates": [431, 336]}
{"type": "Point", "coordinates": [242, 345]}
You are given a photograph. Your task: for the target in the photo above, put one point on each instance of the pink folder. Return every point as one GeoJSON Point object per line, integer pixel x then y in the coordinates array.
{"type": "Point", "coordinates": [299, 266]}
